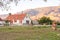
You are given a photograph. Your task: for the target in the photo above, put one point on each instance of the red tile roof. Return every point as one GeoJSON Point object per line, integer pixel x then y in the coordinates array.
{"type": "Point", "coordinates": [16, 17]}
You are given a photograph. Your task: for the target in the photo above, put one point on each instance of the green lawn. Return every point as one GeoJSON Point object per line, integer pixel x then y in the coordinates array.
{"type": "Point", "coordinates": [29, 33]}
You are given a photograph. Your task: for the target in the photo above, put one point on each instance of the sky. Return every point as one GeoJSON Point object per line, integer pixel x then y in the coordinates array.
{"type": "Point", "coordinates": [24, 5]}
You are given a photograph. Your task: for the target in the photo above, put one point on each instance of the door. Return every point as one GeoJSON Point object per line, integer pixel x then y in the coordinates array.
{"type": "Point", "coordinates": [27, 21]}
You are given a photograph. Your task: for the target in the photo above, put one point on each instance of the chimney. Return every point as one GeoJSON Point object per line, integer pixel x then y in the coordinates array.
{"type": "Point", "coordinates": [9, 13]}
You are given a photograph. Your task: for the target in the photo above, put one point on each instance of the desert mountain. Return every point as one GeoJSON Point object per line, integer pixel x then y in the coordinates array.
{"type": "Point", "coordinates": [52, 12]}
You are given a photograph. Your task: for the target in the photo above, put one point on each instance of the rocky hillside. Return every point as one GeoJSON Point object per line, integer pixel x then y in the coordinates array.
{"type": "Point", "coordinates": [52, 12]}
{"type": "Point", "coordinates": [3, 16]}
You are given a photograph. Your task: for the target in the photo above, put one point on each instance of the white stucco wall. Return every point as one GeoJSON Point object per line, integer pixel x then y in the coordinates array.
{"type": "Point", "coordinates": [17, 22]}
{"type": "Point", "coordinates": [26, 18]}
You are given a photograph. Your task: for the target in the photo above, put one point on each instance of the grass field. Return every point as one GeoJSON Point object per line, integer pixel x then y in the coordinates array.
{"type": "Point", "coordinates": [29, 33]}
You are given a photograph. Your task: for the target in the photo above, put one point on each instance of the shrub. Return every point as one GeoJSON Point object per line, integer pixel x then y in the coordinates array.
{"type": "Point", "coordinates": [45, 20]}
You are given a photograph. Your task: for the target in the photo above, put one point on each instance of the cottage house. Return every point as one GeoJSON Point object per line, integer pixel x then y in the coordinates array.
{"type": "Point", "coordinates": [19, 19]}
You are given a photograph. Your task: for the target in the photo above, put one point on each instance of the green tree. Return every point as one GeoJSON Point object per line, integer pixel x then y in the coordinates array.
{"type": "Point", "coordinates": [45, 20]}
{"type": "Point", "coordinates": [58, 23]}
{"type": "Point", "coordinates": [6, 22]}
